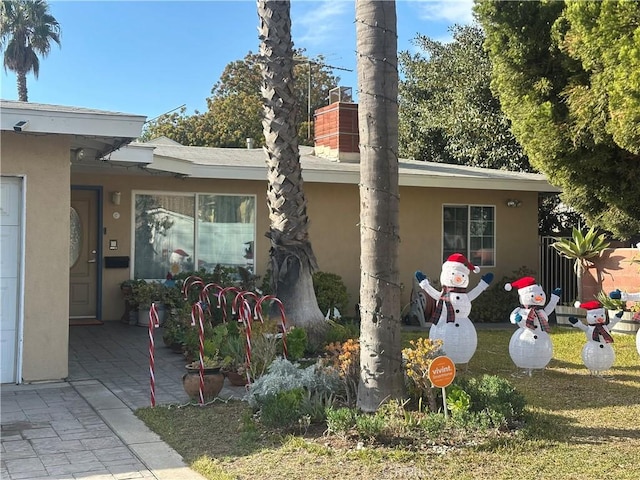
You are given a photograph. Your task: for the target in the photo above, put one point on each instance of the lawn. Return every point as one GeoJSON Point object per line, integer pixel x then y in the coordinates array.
{"type": "Point", "coordinates": [579, 427]}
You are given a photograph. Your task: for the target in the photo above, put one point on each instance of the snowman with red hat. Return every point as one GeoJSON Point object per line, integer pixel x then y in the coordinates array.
{"type": "Point", "coordinates": [530, 346]}
{"type": "Point", "coordinates": [597, 353]}
{"type": "Point", "coordinates": [629, 297]}
{"type": "Point", "coordinates": [450, 319]}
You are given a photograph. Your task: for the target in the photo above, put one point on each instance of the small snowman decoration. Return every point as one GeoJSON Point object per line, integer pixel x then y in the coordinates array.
{"type": "Point", "coordinates": [629, 297]}
{"type": "Point", "coordinates": [597, 353]}
{"type": "Point", "coordinates": [530, 346]}
{"type": "Point", "coordinates": [450, 319]}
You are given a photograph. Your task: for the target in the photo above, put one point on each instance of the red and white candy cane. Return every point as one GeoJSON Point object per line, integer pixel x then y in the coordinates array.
{"type": "Point", "coordinates": [153, 323]}
{"type": "Point", "coordinates": [205, 297]}
{"type": "Point", "coordinates": [245, 316]}
{"type": "Point", "coordinates": [196, 311]}
{"type": "Point", "coordinates": [222, 300]}
{"type": "Point", "coordinates": [283, 318]}
{"type": "Point", "coordinates": [188, 283]}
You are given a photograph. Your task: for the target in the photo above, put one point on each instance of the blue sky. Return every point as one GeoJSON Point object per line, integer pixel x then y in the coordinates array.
{"type": "Point", "coordinates": [149, 57]}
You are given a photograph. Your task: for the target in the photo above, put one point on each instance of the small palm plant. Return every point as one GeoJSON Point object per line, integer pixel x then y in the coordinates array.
{"type": "Point", "coordinates": [582, 249]}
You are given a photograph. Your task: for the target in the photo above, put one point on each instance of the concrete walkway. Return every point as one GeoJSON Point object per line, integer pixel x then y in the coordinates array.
{"type": "Point", "coordinates": [85, 428]}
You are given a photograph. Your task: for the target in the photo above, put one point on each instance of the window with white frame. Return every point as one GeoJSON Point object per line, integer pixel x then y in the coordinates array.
{"type": "Point", "coordinates": [470, 230]}
{"type": "Point", "coordinates": [184, 232]}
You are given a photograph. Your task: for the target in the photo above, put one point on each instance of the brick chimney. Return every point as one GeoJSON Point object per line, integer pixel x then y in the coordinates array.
{"type": "Point", "coordinates": [336, 132]}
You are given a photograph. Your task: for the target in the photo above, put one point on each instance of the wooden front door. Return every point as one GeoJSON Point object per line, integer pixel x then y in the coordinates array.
{"type": "Point", "coordinates": [83, 254]}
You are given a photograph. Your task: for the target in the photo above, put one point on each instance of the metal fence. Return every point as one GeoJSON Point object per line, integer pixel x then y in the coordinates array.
{"type": "Point", "coordinates": [557, 271]}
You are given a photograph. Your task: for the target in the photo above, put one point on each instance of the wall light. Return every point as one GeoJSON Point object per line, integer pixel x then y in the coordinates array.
{"type": "Point", "coordinates": [115, 198]}
{"type": "Point", "coordinates": [21, 126]}
{"type": "Point", "coordinates": [78, 154]}
{"type": "Point", "coordinates": [512, 203]}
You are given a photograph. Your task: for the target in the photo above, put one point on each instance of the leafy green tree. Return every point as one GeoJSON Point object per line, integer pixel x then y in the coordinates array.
{"type": "Point", "coordinates": [448, 113]}
{"type": "Point", "coordinates": [567, 75]}
{"type": "Point", "coordinates": [27, 29]}
{"type": "Point", "coordinates": [234, 109]}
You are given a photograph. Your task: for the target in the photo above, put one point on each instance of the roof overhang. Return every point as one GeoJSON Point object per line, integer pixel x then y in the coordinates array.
{"type": "Point", "coordinates": [96, 132]}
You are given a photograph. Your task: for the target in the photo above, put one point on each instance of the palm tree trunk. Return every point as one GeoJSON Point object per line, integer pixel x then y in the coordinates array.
{"type": "Point", "coordinates": [22, 86]}
{"type": "Point", "coordinates": [381, 375]}
{"type": "Point", "coordinates": [292, 258]}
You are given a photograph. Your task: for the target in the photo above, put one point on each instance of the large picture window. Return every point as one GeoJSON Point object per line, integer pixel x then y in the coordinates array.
{"type": "Point", "coordinates": [185, 232]}
{"type": "Point", "coordinates": [470, 230]}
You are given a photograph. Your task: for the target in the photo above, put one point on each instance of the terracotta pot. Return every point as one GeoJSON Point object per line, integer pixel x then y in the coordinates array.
{"type": "Point", "coordinates": [213, 383]}
{"type": "Point", "coordinates": [236, 379]}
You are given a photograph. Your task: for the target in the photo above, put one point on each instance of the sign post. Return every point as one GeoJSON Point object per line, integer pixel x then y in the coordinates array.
{"type": "Point", "coordinates": [442, 371]}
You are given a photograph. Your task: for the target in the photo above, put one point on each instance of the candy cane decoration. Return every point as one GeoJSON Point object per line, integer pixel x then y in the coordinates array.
{"type": "Point", "coordinates": [222, 301]}
{"type": "Point", "coordinates": [196, 310]}
{"type": "Point", "coordinates": [153, 323]}
{"type": "Point", "coordinates": [206, 299]}
{"type": "Point", "coordinates": [245, 316]}
{"type": "Point", "coordinates": [188, 283]}
{"type": "Point", "coordinates": [283, 318]}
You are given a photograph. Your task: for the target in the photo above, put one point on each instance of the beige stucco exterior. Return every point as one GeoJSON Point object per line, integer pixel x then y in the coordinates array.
{"type": "Point", "coordinates": [334, 232]}
{"type": "Point", "coordinates": [43, 161]}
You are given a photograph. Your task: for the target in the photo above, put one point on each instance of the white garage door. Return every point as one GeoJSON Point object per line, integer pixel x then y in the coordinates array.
{"type": "Point", "coordinates": [10, 258]}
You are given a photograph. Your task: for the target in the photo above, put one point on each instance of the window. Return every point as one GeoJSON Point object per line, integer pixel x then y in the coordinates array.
{"type": "Point", "coordinates": [469, 230]}
{"type": "Point", "coordinates": [169, 239]}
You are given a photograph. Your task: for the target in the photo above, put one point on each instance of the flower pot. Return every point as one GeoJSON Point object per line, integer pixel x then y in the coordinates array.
{"type": "Point", "coordinates": [236, 379]}
{"type": "Point", "coordinates": [143, 315]}
{"type": "Point", "coordinates": [626, 323]}
{"type": "Point", "coordinates": [563, 313]}
{"type": "Point", "coordinates": [213, 383]}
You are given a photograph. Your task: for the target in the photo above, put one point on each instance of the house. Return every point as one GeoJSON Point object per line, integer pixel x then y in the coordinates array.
{"type": "Point", "coordinates": [84, 208]}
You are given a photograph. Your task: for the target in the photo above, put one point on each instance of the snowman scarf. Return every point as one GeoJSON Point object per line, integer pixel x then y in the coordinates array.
{"type": "Point", "coordinates": [533, 315]}
{"type": "Point", "coordinates": [445, 301]}
{"type": "Point", "coordinates": [599, 330]}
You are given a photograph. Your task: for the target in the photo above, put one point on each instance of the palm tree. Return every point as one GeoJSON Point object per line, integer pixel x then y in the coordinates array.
{"type": "Point", "coordinates": [292, 258]}
{"type": "Point", "coordinates": [26, 31]}
{"type": "Point", "coordinates": [381, 374]}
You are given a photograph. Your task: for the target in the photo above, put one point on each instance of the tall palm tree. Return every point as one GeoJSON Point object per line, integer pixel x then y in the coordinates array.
{"type": "Point", "coordinates": [26, 31]}
{"type": "Point", "coordinates": [381, 375]}
{"type": "Point", "coordinates": [292, 258]}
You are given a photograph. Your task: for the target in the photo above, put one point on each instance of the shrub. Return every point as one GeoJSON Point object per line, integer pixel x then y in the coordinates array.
{"type": "Point", "coordinates": [331, 292]}
{"type": "Point", "coordinates": [370, 426]}
{"type": "Point", "coordinates": [296, 343]}
{"type": "Point", "coordinates": [341, 331]}
{"type": "Point", "coordinates": [282, 409]}
{"type": "Point", "coordinates": [344, 358]}
{"type": "Point", "coordinates": [340, 420]}
{"type": "Point", "coordinates": [494, 397]}
{"type": "Point", "coordinates": [418, 359]}
{"type": "Point", "coordinates": [496, 304]}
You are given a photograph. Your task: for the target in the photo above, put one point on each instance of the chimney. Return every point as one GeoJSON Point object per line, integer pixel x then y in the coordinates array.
{"type": "Point", "coordinates": [336, 130]}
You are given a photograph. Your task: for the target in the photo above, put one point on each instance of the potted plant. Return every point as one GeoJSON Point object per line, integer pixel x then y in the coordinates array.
{"type": "Point", "coordinates": [581, 248]}
{"type": "Point", "coordinates": [144, 294]}
{"type": "Point", "coordinates": [213, 377]}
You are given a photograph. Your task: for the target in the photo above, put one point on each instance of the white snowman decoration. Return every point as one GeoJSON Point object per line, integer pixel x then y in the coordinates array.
{"type": "Point", "coordinates": [597, 353]}
{"type": "Point", "coordinates": [450, 319]}
{"type": "Point", "coordinates": [629, 297]}
{"type": "Point", "coordinates": [530, 346]}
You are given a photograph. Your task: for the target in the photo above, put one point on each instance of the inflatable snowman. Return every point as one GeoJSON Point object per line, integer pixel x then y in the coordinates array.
{"type": "Point", "coordinates": [530, 346]}
{"type": "Point", "coordinates": [450, 318]}
{"type": "Point", "coordinates": [597, 353]}
{"type": "Point", "coordinates": [629, 297]}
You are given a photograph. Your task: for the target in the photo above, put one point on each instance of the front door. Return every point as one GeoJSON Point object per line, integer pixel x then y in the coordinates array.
{"type": "Point", "coordinates": [83, 254]}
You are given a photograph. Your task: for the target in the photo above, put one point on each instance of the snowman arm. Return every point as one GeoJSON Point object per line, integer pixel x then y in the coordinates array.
{"type": "Point", "coordinates": [432, 292]}
{"type": "Point", "coordinates": [552, 304]}
{"type": "Point", "coordinates": [631, 297]}
{"type": "Point", "coordinates": [581, 326]}
{"type": "Point", "coordinates": [512, 316]}
{"type": "Point", "coordinates": [477, 290]}
{"type": "Point", "coordinates": [612, 321]}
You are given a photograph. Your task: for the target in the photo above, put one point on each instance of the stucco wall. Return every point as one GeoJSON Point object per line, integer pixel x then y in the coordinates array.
{"type": "Point", "coordinates": [612, 270]}
{"type": "Point", "coordinates": [334, 232]}
{"type": "Point", "coordinates": [44, 161]}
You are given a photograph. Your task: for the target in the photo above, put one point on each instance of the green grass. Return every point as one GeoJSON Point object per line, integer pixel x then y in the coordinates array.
{"type": "Point", "coordinates": [578, 427]}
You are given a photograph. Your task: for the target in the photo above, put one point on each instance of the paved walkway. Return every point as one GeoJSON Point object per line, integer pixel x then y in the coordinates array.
{"type": "Point", "coordinates": [85, 428]}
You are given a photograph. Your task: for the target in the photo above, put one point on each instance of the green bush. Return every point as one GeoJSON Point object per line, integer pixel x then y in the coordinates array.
{"type": "Point", "coordinates": [494, 397]}
{"type": "Point", "coordinates": [340, 420]}
{"type": "Point", "coordinates": [296, 343]}
{"type": "Point", "coordinates": [282, 409]}
{"type": "Point", "coordinates": [370, 426]}
{"type": "Point", "coordinates": [341, 331]}
{"type": "Point", "coordinates": [495, 304]}
{"type": "Point", "coordinates": [331, 292]}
